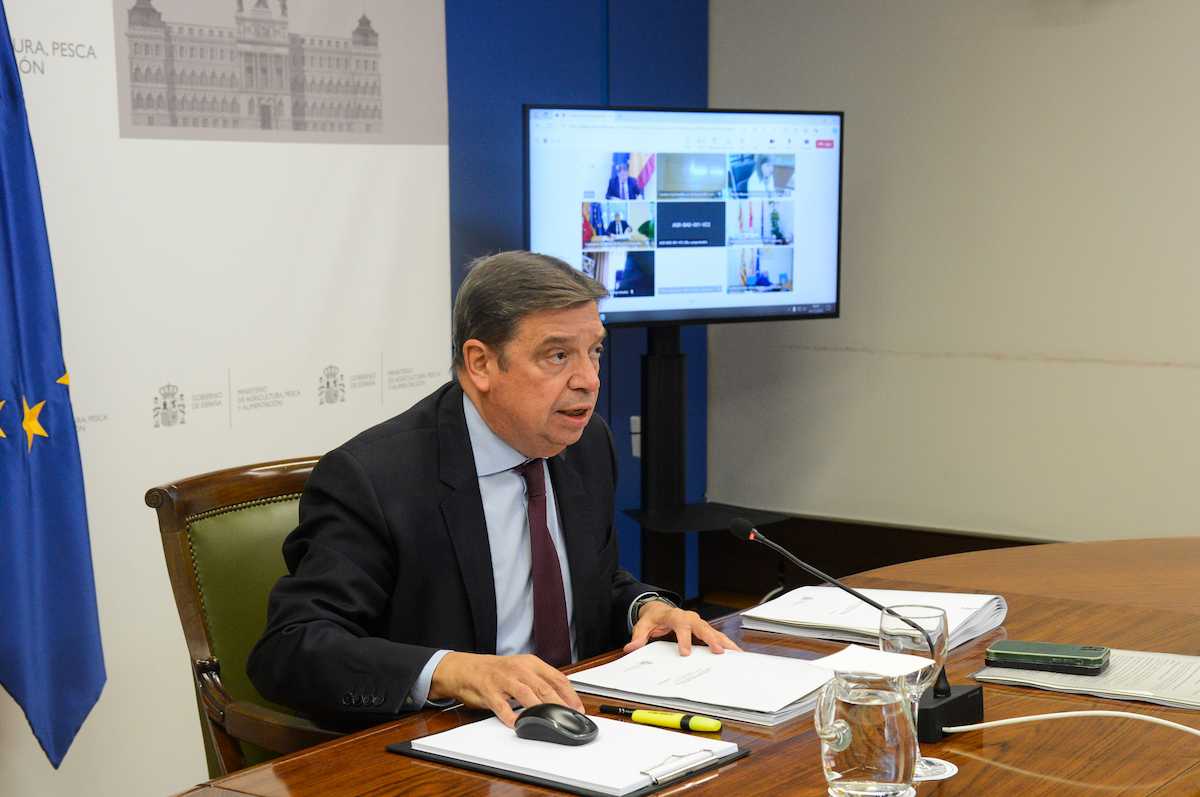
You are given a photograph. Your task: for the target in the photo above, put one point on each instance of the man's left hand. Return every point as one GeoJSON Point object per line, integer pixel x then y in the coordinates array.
{"type": "Point", "coordinates": [658, 619]}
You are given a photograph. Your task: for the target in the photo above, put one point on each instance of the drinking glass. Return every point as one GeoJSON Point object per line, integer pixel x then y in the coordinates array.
{"type": "Point", "coordinates": [899, 637]}
{"type": "Point", "coordinates": [868, 739]}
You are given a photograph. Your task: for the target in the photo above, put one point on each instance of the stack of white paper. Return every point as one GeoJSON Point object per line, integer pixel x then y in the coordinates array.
{"type": "Point", "coordinates": [749, 687]}
{"type": "Point", "coordinates": [1168, 679]}
{"type": "Point", "coordinates": [623, 758]}
{"type": "Point", "coordinates": [830, 613]}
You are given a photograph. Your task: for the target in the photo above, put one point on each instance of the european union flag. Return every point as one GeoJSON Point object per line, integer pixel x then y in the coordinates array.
{"type": "Point", "coordinates": [50, 656]}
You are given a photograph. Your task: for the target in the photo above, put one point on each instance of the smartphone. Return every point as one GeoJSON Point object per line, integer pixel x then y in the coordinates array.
{"type": "Point", "coordinates": [1074, 659]}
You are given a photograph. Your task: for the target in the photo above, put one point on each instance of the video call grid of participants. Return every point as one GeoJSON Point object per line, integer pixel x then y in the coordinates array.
{"type": "Point", "coordinates": [657, 201]}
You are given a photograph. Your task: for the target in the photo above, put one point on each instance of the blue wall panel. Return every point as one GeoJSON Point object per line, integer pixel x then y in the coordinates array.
{"type": "Point", "coordinates": [658, 53]}
{"type": "Point", "coordinates": [591, 52]}
{"type": "Point", "coordinates": [658, 56]}
{"type": "Point", "coordinates": [499, 56]}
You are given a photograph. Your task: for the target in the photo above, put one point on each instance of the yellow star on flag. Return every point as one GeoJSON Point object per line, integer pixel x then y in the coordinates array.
{"type": "Point", "coordinates": [2, 434]}
{"type": "Point", "coordinates": [65, 379]}
{"type": "Point", "coordinates": [30, 424]}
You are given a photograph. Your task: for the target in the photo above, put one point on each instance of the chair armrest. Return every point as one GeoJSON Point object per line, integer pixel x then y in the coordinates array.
{"type": "Point", "coordinates": [273, 730]}
{"type": "Point", "coordinates": [249, 722]}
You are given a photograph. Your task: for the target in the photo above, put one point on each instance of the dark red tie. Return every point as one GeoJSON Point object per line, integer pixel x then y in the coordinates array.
{"type": "Point", "coordinates": [551, 634]}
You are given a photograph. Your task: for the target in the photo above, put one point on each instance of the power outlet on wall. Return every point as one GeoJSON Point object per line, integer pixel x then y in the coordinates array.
{"type": "Point", "coordinates": [635, 435]}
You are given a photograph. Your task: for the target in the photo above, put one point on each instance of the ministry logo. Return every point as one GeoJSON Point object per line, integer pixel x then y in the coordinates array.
{"type": "Point", "coordinates": [331, 388]}
{"type": "Point", "coordinates": [170, 407]}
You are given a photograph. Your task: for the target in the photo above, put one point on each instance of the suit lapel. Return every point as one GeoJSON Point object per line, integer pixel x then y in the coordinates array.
{"type": "Point", "coordinates": [462, 510]}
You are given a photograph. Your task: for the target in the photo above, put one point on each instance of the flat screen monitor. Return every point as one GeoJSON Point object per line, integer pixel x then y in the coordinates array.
{"type": "Point", "coordinates": [690, 216]}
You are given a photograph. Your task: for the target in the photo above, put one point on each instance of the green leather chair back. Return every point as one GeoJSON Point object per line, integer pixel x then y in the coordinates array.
{"type": "Point", "coordinates": [222, 534]}
{"type": "Point", "coordinates": [237, 557]}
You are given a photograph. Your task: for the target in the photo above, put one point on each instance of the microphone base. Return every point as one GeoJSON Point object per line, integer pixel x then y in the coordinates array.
{"type": "Point", "coordinates": [964, 706]}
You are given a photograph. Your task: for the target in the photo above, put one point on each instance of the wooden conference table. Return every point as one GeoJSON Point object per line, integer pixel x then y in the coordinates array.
{"type": "Point", "coordinates": [1134, 594]}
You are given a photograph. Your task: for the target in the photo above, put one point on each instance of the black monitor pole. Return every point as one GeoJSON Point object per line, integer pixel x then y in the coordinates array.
{"type": "Point", "coordinates": [664, 414]}
{"type": "Point", "coordinates": [664, 456]}
{"type": "Point", "coordinates": [665, 515]}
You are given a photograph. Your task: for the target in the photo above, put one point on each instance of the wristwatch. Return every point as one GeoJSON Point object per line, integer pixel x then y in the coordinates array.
{"type": "Point", "coordinates": [641, 600]}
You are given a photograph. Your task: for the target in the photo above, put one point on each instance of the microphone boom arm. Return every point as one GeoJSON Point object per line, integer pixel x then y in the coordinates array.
{"type": "Point", "coordinates": [942, 687]}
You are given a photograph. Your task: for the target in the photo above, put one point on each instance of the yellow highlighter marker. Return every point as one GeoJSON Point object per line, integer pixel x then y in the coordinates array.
{"type": "Point", "coordinates": [666, 719]}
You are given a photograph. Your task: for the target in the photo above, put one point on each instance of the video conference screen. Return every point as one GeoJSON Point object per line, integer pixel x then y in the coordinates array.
{"type": "Point", "coordinates": [690, 215]}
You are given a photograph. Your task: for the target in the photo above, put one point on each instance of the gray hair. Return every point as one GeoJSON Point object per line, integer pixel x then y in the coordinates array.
{"type": "Point", "coordinates": [501, 289]}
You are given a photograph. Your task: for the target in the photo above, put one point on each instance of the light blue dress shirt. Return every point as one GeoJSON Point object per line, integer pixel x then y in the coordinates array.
{"type": "Point", "coordinates": [505, 512]}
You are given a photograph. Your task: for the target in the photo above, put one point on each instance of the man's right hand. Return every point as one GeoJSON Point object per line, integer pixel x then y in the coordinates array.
{"type": "Point", "coordinates": [484, 681]}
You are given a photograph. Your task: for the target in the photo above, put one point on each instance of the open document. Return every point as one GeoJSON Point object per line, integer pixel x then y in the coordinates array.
{"type": "Point", "coordinates": [1168, 679]}
{"type": "Point", "coordinates": [749, 687]}
{"type": "Point", "coordinates": [623, 759]}
{"type": "Point", "coordinates": [830, 613]}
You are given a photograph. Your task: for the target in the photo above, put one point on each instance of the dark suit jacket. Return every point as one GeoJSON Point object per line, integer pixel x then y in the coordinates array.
{"type": "Point", "coordinates": [391, 562]}
{"type": "Point", "coordinates": [617, 228]}
{"type": "Point", "coordinates": [614, 188]}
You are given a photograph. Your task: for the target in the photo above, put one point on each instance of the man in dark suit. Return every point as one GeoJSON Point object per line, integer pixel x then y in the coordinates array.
{"type": "Point", "coordinates": [631, 188]}
{"type": "Point", "coordinates": [453, 551]}
{"type": "Point", "coordinates": [618, 226]}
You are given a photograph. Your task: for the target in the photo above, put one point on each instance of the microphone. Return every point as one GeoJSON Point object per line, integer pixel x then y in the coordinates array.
{"type": "Point", "coordinates": [741, 528]}
{"type": "Point", "coordinates": [947, 704]}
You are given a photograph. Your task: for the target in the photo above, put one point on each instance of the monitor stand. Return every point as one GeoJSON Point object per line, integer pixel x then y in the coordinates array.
{"type": "Point", "coordinates": [665, 513]}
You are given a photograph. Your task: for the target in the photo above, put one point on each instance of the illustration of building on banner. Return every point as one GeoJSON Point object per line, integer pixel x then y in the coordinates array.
{"type": "Point", "coordinates": [256, 75]}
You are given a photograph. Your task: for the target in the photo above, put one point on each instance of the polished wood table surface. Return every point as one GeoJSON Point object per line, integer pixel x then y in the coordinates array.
{"type": "Point", "coordinates": [1137, 595]}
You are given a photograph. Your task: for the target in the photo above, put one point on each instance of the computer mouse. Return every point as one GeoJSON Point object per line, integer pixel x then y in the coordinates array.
{"type": "Point", "coordinates": [551, 722]}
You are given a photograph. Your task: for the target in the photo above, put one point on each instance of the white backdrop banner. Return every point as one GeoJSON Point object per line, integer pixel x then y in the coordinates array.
{"type": "Point", "coordinates": [248, 210]}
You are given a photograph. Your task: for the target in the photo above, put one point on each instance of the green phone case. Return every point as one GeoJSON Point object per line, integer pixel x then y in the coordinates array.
{"type": "Point", "coordinates": [1084, 659]}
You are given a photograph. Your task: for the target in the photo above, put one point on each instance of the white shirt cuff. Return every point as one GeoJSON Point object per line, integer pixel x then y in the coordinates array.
{"type": "Point", "coordinates": [418, 696]}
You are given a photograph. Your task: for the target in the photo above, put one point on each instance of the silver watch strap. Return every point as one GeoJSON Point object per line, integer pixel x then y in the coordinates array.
{"type": "Point", "coordinates": [642, 600]}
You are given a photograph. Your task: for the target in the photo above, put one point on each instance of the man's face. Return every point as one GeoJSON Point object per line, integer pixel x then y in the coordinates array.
{"type": "Point", "coordinates": [539, 396]}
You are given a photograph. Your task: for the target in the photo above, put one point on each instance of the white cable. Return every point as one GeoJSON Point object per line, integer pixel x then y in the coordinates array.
{"type": "Point", "coordinates": [1066, 715]}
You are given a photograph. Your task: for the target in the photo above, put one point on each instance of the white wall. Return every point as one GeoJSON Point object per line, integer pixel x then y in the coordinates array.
{"type": "Point", "coordinates": [1018, 352]}
{"type": "Point", "coordinates": [223, 267]}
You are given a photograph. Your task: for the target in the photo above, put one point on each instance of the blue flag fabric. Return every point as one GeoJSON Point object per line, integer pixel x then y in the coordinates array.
{"type": "Point", "coordinates": [50, 656]}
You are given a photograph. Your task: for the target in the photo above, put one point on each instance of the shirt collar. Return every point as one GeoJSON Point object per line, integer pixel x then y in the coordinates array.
{"type": "Point", "coordinates": [492, 454]}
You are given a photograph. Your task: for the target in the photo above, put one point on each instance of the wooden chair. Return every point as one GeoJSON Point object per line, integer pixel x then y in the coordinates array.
{"type": "Point", "coordinates": [222, 534]}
